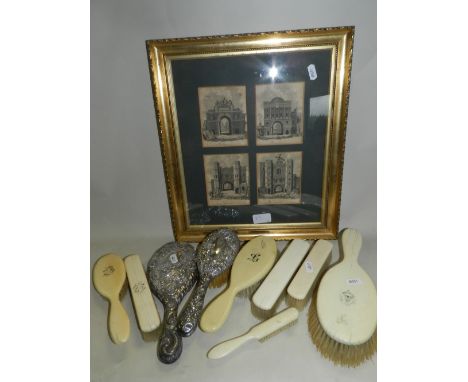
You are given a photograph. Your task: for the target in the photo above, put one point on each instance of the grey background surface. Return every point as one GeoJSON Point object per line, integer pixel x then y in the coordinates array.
{"type": "Point", "coordinates": [129, 210]}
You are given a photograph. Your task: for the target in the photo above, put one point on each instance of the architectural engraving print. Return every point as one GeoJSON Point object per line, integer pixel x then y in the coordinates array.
{"type": "Point", "coordinates": [227, 179]}
{"type": "Point", "coordinates": [223, 116]}
{"type": "Point", "coordinates": [279, 113]}
{"type": "Point", "coordinates": [279, 178]}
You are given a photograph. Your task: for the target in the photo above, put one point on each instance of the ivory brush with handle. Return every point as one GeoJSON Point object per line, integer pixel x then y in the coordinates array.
{"type": "Point", "coordinates": [109, 280]}
{"type": "Point", "coordinates": [343, 318]}
{"type": "Point", "coordinates": [252, 264]}
{"type": "Point", "coordinates": [260, 332]}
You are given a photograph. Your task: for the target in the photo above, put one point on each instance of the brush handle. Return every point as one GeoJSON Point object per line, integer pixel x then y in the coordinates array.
{"type": "Point", "coordinates": [188, 319]}
{"type": "Point", "coordinates": [227, 347]}
{"type": "Point", "coordinates": [217, 312]}
{"type": "Point", "coordinates": [275, 323]}
{"type": "Point", "coordinates": [170, 342]}
{"type": "Point", "coordinates": [118, 322]}
{"type": "Point", "coordinates": [351, 243]}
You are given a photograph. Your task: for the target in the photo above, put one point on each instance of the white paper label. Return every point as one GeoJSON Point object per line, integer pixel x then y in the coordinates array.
{"type": "Point", "coordinates": [308, 266]}
{"type": "Point", "coordinates": [354, 281]}
{"type": "Point", "coordinates": [173, 258]}
{"type": "Point", "coordinates": [261, 218]}
{"type": "Point", "coordinates": [312, 72]}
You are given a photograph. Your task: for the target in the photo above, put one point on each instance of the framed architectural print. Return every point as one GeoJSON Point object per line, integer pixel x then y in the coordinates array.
{"type": "Point", "coordinates": [252, 131]}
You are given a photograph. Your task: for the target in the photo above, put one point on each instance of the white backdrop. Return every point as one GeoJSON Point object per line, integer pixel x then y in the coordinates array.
{"type": "Point", "coordinates": [129, 210]}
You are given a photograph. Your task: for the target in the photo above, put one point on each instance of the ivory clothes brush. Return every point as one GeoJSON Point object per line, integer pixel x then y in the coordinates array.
{"type": "Point", "coordinates": [268, 294]}
{"type": "Point", "coordinates": [109, 280]}
{"type": "Point", "coordinates": [343, 321]}
{"type": "Point", "coordinates": [145, 308]}
{"type": "Point", "coordinates": [172, 272]}
{"type": "Point", "coordinates": [251, 265]}
{"type": "Point", "coordinates": [215, 254]}
{"type": "Point", "coordinates": [303, 283]}
{"type": "Point", "coordinates": [260, 332]}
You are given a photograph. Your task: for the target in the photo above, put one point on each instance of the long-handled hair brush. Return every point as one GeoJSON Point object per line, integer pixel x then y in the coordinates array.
{"type": "Point", "coordinates": [343, 314]}
{"type": "Point", "coordinates": [261, 332]}
{"type": "Point", "coordinates": [252, 264]}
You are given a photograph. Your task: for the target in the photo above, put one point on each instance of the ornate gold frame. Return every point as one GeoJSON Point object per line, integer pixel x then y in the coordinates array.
{"type": "Point", "coordinates": [160, 54]}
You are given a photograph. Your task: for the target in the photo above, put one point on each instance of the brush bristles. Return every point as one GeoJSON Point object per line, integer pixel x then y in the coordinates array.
{"type": "Point", "coordinates": [267, 337]}
{"type": "Point", "coordinates": [296, 303]}
{"type": "Point", "coordinates": [338, 353]}
{"type": "Point", "coordinates": [220, 280]}
{"type": "Point", "coordinates": [264, 314]}
{"type": "Point", "coordinates": [248, 292]}
{"type": "Point", "coordinates": [260, 313]}
{"type": "Point", "coordinates": [152, 336]}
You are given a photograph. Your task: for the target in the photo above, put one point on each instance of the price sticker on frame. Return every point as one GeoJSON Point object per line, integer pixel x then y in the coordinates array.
{"type": "Point", "coordinates": [261, 218]}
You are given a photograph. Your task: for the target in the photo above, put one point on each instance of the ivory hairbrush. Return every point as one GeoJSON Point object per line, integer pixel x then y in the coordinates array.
{"type": "Point", "coordinates": [268, 294]}
{"type": "Point", "coordinates": [109, 281]}
{"type": "Point", "coordinates": [303, 283]}
{"type": "Point", "coordinates": [214, 256]}
{"type": "Point", "coordinates": [260, 332]}
{"type": "Point", "coordinates": [251, 265]}
{"type": "Point", "coordinates": [172, 272]}
{"type": "Point", "coordinates": [343, 319]}
{"type": "Point", "coordinates": [145, 308]}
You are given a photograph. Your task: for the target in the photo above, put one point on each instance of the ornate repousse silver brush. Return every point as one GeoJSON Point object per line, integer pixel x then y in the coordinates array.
{"type": "Point", "coordinates": [172, 272]}
{"type": "Point", "coordinates": [214, 255]}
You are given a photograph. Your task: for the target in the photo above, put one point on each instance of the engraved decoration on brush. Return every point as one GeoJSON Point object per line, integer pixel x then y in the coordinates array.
{"type": "Point", "coordinates": [172, 272]}
{"type": "Point", "coordinates": [214, 255]}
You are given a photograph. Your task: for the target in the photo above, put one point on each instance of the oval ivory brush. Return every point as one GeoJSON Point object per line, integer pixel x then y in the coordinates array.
{"type": "Point", "coordinates": [301, 287]}
{"type": "Point", "coordinates": [109, 280]}
{"type": "Point", "coordinates": [145, 309]}
{"type": "Point", "coordinates": [172, 271]}
{"type": "Point", "coordinates": [343, 323]}
{"type": "Point", "coordinates": [214, 255]}
{"type": "Point", "coordinates": [260, 332]}
{"type": "Point", "coordinates": [251, 265]}
{"type": "Point", "coordinates": [268, 294]}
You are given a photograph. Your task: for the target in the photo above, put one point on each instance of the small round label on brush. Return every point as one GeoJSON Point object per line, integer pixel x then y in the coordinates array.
{"type": "Point", "coordinates": [354, 281]}
{"type": "Point", "coordinates": [173, 258]}
{"type": "Point", "coordinates": [308, 266]}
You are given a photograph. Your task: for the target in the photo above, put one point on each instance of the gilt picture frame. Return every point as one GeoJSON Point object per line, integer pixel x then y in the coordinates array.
{"type": "Point", "coordinates": [252, 131]}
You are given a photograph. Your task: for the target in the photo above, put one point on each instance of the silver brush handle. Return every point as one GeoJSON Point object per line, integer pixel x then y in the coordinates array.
{"type": "Point", "coordinates": [188, 319]}
{"type": "Point", "coordinates": [170, 342]}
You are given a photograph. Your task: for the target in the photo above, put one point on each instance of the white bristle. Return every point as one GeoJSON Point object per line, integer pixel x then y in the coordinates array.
{"type": "Point", "coordinates": [267, 337]}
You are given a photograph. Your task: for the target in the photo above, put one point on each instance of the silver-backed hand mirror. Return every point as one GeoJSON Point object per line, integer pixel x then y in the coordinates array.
{"type": "Point", "coordinates": [172, 272]}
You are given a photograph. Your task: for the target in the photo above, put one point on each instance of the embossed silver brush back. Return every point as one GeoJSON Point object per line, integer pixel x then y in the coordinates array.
{"type": "Point", "coordinates": [172, 272]}
{"type": "Point", "coordinates": [214, 255]}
